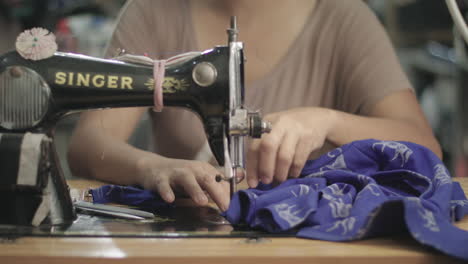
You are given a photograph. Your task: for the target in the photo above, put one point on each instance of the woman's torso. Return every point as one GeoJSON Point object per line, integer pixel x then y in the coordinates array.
{"type": "Point", "coordinates": [300, 73]}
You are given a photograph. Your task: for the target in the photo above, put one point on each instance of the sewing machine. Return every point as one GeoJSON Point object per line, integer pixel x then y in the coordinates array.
{"type": "Point", "coordinates": [34, 95]}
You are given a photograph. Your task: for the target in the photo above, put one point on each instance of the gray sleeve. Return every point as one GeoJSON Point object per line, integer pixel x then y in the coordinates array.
{"type": "Point", "coordinates": [369, 69]}
{"type": "Point", "coordinates": [157, 28]}
{"type": "Point", "coordinates": [135, 30]}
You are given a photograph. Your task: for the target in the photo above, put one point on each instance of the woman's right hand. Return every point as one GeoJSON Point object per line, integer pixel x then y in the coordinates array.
{"type": "Point", "coordinates": [170, 176]}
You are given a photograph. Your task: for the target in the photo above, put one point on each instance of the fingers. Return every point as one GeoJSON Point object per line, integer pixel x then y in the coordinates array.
{"type": "Point", "coordinates": [186, 179]}
{"type": "Point", "coordinates": [252, 163]}
{"type": "Point", "coordinates": [218, 191]}
{"type": "Point", "coordinates": [267, 153]}
{"type": "Point", "coordinates": [261, 158]}
{"type": "Point", "coordinates": [301, 155]}
{"type": "Point", "coordinates": [285, 157]}
{"type": "Point", "coordinates": [261, 155]}
{"type": "Point", "coordinates": [279, 155]}
{"type": "Point", "coordinates": [161, 185]}
{"type": "Point", "coordinates": [191, 177]}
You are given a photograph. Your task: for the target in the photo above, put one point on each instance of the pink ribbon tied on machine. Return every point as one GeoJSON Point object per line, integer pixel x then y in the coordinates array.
{"type": "Point", "coordinates": [159, 69]}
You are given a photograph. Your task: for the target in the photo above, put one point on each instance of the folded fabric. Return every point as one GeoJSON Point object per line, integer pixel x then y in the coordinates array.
{"type": "Point", "coordinates": [128, 195]}
{"type": "Point", "coordinates": [363, 189]}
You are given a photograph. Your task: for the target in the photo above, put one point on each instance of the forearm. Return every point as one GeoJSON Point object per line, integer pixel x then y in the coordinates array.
{"type": "Point", "coordinates": [345, 128]}
{"type": "Point", "coordinates": [99, 149]}
{"type": "Point", "coordinates": [105, 158]}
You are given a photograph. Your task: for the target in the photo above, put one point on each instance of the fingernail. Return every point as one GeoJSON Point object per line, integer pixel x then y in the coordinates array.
{"type": "Point", "coordinates": [252, 183]}
{"type": "Point", "coordinates": [294, 174]}
{"type": "Point", "coordinates": [168, 196]}
{"type": "Point", "coordinates": [261, 178]}
{"type": "Point", "coordinates": [201, 199]}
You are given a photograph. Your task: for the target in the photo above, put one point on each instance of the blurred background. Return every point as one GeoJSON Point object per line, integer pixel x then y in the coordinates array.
{"type": "Point", "coordinates": [421, 30]}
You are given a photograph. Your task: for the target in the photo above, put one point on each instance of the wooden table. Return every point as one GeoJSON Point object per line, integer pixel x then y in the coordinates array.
{"type": "Point", "coordinates": [395, 249]}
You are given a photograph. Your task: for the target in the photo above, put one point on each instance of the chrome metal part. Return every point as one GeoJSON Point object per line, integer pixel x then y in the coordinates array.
{"type": "Point", "coordinates": [24, 98]}
{"type": "Point", "coordinates": [116, 211]}
{"type": "Point", "coordinates": [233, 31]}
{"type": "Point", "coordinates": [204, 74]}
{"type": "Point", "coordinates": [246, 123]}
{"type": "Point", "coordinates": [236, 142]}
{"type": "Point", "coordinates": [241, 122]}
{"type": "Point", "coordinates": [228, 169]}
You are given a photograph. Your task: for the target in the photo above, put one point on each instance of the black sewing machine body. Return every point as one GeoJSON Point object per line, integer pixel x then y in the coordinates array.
{"type": "Point", "coordinates": [68, 83]}
{"type": "Point", "coordinates": [34, 95]}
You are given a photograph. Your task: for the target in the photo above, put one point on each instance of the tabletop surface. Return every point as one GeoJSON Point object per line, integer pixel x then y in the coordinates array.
{"type": "Point", "coordinates": [401, 248]}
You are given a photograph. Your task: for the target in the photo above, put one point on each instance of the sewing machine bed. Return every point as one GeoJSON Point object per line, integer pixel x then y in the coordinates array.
{"type": "Point", "coordinates": [178, 222]}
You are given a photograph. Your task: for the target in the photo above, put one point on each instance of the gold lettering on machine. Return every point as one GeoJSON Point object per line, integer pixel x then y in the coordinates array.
{"type": "Point", "coordinates": [79, 79]}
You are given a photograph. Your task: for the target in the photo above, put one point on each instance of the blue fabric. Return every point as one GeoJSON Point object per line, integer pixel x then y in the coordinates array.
{"type": "Point", "coordinates": [128, 195]}
{"type": "Point", "coordinates": [363, 189]}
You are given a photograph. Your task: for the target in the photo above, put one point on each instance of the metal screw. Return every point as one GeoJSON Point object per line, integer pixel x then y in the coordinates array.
{"type": "Point", "coordinates": [204, 74]}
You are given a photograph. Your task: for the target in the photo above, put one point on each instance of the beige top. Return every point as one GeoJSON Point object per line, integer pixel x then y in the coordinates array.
{"type": "Point", "coordinates": [341, 60]}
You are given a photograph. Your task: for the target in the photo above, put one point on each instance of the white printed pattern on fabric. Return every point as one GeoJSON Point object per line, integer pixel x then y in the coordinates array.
{"type": "Point", "coordinates": [347, 225]}
{"type": "Point", "coordinates": [338, 164]}
{"type": "Point", "coordinates": [363, 179]}
{"type": "Point", "coordinates": [303, 190]}
{"type": "Point", "coordinates": [415, 200]}
{"type": "Point", "coordinates": [336, 190]}
{"type": "Point", "coordinates": [328, 196]}
{"type": "Point", "coordinates": [339, 209]}
{"type": "Point", "coordinates": [428, 216]}
{"type": "Point", "coordinates": [401, 150]}
{"type": "Point", "coordinates": [441, 176]}
{"type": "Point", "coordinates": [369, 187]}
{"type": "Point", "coordinates": [252, 195]}
{"type": "Point", "coordinates": [332, 154]}
{"type": "Point", "coordinates": [293, 217]}
{"type": "Point", "coordinates": [460, 202]}
{"type": "Point", "coordinates": [315, 174]}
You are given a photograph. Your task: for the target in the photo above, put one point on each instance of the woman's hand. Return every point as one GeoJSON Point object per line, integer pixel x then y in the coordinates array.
{"type": "Point", "coordinates": [169, 176]}
{"type": "Point", "coordinates": [282, 153]}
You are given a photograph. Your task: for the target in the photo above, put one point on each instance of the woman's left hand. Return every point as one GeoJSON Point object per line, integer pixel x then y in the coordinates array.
{"type": "Point", "coordinates": [283, 152]}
